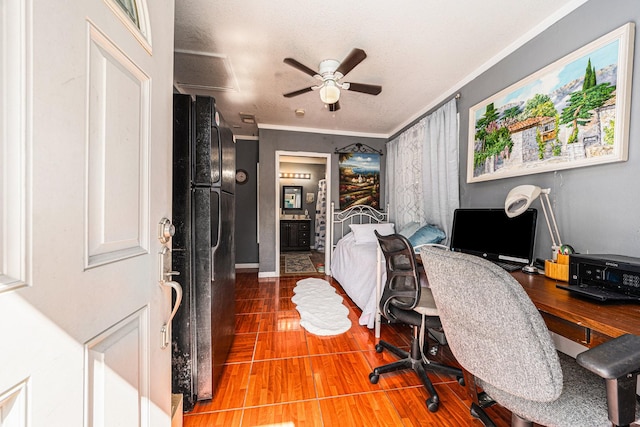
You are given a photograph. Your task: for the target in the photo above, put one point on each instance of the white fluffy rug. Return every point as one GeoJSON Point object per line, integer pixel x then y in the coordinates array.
{"type": "Point", "coordinates": [320, 307]}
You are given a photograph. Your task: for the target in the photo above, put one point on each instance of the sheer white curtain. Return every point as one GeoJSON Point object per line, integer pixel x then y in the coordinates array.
{"type": "Point", "coordinates": [404, 177]}
{"type": "Point", "coordinates": [422, 171]}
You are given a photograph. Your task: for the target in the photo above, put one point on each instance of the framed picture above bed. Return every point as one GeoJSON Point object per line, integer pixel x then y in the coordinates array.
{"type": "Point", "coordinates": [359, 179]}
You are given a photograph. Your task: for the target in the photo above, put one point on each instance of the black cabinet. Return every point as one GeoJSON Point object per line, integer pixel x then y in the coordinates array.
{"type": "Point", "coordinates": [295, 234]}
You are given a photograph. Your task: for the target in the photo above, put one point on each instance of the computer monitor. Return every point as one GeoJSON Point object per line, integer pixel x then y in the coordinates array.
{"type": "Point", "coordinates": [491, 234]}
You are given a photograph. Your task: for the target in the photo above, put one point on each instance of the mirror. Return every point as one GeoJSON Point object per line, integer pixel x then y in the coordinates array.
{"type": "Point", "coordinates": [291, 197]}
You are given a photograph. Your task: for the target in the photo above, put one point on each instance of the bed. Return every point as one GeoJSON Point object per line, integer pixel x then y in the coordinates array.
{"type": "Point", "coordinates": [355, 262]}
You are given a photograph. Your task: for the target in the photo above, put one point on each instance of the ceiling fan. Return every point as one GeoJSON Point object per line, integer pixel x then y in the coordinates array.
{"type": "Point", "coordinates": [330, 72]}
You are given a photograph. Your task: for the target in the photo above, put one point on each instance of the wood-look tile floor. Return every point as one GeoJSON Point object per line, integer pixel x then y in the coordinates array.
{"type": "Point", "coordinates": [279, 375]}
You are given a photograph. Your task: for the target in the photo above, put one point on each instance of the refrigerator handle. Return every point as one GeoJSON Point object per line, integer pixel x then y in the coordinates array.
{"type": "Point", "coordinates": [218, 165]}
{"type": "Point", "coordinates": [217, 245]}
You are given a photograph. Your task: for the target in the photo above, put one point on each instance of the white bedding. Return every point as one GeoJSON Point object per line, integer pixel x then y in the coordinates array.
{"type": "Point", "coordinates": [355, 268]}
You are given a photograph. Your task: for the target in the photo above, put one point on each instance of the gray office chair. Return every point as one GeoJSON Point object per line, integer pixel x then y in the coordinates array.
{"type": "Point", "coordinates": [499, 337]}
{"type": "Point", "coordinates": [405, 300]}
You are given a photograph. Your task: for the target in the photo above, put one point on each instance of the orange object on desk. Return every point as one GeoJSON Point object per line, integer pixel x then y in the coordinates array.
{"type": "Point", "coordinates": [558, 269]}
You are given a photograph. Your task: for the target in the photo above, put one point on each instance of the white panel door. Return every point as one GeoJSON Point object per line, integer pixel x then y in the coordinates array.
{"type": "Point", "coordinates": [85, 161]}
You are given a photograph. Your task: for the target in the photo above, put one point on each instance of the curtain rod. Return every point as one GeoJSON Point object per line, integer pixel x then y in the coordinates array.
{"type": "Point", "coordinates": [456, 96]}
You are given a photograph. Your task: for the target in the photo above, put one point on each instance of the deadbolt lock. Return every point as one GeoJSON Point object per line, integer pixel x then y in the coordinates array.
{"type": "Point", "coordinates": [166, 230]}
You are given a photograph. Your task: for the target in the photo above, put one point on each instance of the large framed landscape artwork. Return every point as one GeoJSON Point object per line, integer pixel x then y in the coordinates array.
{"type": "Point", "coordinates": [359, 179]}
{"type": "Point", "coordinates": [572, 113]}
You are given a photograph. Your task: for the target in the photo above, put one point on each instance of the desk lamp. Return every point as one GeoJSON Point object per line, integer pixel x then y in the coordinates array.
{"type": "Point", "coordinates": [520, 198]}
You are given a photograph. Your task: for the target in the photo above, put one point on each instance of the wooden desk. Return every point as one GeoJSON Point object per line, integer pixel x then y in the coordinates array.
{"type": "Point", "coordinates": [578, 319]}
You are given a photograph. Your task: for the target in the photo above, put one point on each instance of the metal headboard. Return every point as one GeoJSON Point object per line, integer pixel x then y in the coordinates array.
{"type": "Point", "coordinates": [359, 214]}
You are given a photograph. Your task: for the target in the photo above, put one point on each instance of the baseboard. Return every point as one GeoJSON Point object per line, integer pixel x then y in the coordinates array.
{"type": "Point", "coordinates": [266, 274]}
{"type": "Point", "coordinates": [248, 265]}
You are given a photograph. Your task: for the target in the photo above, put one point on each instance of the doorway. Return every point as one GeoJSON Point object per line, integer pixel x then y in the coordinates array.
{"type": "Point", "coordinates": [304, 164]}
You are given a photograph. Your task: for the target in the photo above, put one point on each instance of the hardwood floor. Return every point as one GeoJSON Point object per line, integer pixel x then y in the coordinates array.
{"type": "Point", "coordinates": [279, 375]}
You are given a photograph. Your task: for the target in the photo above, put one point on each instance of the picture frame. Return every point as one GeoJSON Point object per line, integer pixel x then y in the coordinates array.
{"type": "Point", "coordinates": [571, 113]}
{"type": "Point", "coordinates": [311, 197]}
{"type": "Point", "coordinates": [359, 179]}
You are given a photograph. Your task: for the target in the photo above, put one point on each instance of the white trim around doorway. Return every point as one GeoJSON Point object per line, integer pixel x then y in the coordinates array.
{"type": "Point", "coordinates": [327, 156]}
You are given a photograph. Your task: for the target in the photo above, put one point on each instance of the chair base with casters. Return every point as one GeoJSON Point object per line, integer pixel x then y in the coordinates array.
{"type": "Point", "coordinates": [413, 360]}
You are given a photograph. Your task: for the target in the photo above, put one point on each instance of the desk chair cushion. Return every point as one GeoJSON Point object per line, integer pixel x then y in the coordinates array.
{"type": "Point", "coordinates": [426, 308]}
{"type": "Point", "coordinates": [583, 398]}
{"type": "Point", "coordinates": [426, 305]}
{"type": "Point", "coordinates": [496, 331]}
{"type": "Point", "coordinates": [424, 313]}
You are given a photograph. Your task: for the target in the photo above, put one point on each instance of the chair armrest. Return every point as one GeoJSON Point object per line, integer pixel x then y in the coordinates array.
{"type": "Point", "coordinates": [613, 359]}
{"type": "Point", "coordinates": [417, 249]}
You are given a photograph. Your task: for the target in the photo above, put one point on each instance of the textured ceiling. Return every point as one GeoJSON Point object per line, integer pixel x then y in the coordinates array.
{"type": "Point", "coordinates": [419, 51]}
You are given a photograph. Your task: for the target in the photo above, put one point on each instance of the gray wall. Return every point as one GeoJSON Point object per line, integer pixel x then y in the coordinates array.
{"type": "Point", "coordinates": [597, 207]}
{"type": "Point", "coordinates": [246, 236]}
{"type": "Point", "coordinates": [308, 186]}
{"type": "Point", "coordinates": [276, 140]}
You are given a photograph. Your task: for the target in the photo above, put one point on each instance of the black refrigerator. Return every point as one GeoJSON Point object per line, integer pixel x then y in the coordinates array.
{"type": "Point", "coordinates": [203, 248]}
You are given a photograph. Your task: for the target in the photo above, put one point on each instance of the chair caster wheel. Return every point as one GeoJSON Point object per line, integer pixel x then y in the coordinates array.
{"type": "Point", "coordinates": [373, 378]}
{"type": "Point", "coordinates": [460, 381]}
{"type": "Point", "coordinates": [379, 348]}
{"type": "Point", "coordinates": [432, 404]}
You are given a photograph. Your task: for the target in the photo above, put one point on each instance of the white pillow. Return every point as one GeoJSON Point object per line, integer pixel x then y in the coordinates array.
{"type": "Point", "coordinates": [363, 233]}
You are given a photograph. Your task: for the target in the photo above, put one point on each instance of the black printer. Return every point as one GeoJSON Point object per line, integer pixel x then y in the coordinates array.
{"type": "Point", "coordinates": [604, 277]}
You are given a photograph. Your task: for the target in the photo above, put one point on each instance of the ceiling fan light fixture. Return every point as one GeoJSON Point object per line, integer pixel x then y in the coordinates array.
{"type": "Point", "coordinates": [330, 73]}
{"type": "Point", "coordinates": [329, 92]}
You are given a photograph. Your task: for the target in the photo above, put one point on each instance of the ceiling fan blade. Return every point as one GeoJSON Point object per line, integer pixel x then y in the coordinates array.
{"type": "Point", "coordinates": [364, 88]}
{"type": "Point", "coordinates": [335, 106]}
{"type": "Point", "coordinates": [299, 66]}
{"type": "Point", "coordinates": [354, 58]}
{"type": "Point", "coordinates": [298, 92]}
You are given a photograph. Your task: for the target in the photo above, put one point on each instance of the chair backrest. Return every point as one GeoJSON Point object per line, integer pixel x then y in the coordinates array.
{"type": "Point", "coordinates": [402, 286]}
{"type": "Point", "coordinates": [492, 327]}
